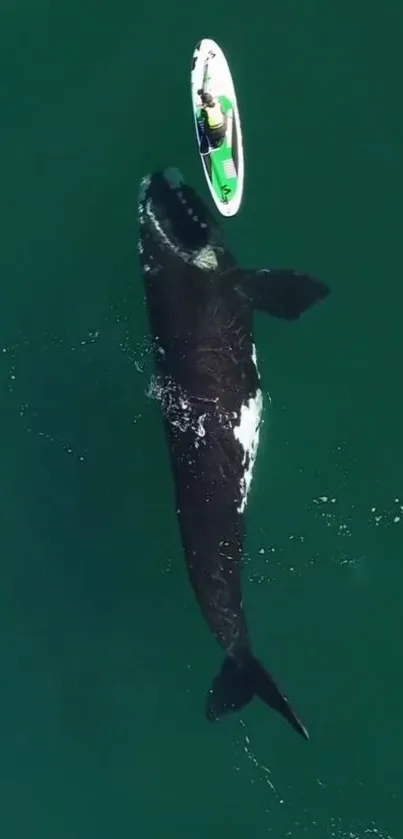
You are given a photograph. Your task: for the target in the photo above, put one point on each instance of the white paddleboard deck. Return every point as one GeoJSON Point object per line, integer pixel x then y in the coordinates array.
{"type": "Point", "coordinates": [223, 167]}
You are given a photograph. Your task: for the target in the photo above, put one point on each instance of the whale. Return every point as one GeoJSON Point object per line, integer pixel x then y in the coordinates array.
{"type": "Point", "coordinates": [200, 306]}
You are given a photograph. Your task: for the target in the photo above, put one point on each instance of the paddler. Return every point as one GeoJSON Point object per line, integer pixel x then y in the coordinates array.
{"type": "Point", "coordinates": [214, 118]}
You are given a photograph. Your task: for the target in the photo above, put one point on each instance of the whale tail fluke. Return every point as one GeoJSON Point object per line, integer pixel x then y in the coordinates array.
{"type": "Point", "coordinates": [237, 684]}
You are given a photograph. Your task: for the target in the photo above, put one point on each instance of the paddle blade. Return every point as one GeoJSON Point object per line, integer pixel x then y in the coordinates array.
{"type": "Point", "coordinates": [204, 144]}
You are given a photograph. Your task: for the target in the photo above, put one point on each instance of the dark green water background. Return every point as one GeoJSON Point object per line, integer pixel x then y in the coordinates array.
{"type": "Point", "coordinates": [105, 659]}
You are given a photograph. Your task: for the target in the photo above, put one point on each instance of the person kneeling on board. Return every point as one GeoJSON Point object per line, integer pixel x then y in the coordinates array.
{"type": "Point", "coordinates": [214, 119]}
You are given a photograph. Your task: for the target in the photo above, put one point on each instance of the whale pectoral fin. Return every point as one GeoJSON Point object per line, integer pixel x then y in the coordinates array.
{"type": "Point", "coordinates": [283, 293]}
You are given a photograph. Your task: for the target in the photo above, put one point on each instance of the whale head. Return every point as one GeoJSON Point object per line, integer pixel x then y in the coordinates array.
{"type": "Point", "coordinates": [175, 222]}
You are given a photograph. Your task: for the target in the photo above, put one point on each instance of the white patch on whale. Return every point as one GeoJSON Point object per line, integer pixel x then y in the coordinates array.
{"type": "Point", "coordinates": [206, 259]}
{"type": "Point", "coordinates": [247, 432]}
{"type": "Point", "coordinates": [245, 424]}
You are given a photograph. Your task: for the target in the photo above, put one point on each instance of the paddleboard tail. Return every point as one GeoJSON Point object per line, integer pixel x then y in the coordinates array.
{"type": "Point", "coordinates": [237, 684]}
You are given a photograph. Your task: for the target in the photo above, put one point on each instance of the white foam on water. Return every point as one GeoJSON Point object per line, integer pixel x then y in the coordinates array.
{"type": "Point", "coordinates": [317, 823]}
{"type": "Point", "coordinates": [269, 562]}
{"type": "Point", "coordinates": [263, 773]}
{"type": "Point", "coordinates": [328, 507]}
{"type": "Point", "coordinates": [176, 407]}
{"type": "Point", "coordinates": [360, 831]}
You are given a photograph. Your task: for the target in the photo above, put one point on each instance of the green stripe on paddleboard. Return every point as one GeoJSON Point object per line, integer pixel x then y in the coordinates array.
{"type": "Point", "coordinates": [225, 180]}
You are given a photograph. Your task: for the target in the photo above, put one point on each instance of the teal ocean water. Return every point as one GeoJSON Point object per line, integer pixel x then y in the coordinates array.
{"type": "Point", "coordinates": [104, 656]}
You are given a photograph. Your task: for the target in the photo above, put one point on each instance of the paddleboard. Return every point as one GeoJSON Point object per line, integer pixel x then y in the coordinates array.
{"type": "Point", "coordinates": [223, 166]}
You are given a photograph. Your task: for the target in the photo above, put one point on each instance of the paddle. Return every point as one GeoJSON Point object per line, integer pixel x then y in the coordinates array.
{"type": "Point", "coordinates": [204, 145]}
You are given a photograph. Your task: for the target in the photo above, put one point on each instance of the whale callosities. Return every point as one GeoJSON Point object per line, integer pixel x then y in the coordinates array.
{"type": "Point", "coordinates": [200, 308]}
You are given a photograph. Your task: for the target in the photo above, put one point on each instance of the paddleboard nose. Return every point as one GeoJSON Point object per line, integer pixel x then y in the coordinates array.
{"type": "Point", "coordinates": [174, 177]}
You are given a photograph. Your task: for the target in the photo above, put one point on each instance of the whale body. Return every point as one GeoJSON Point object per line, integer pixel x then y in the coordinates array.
{"type": "Point", "coordinates": [200, 307]}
